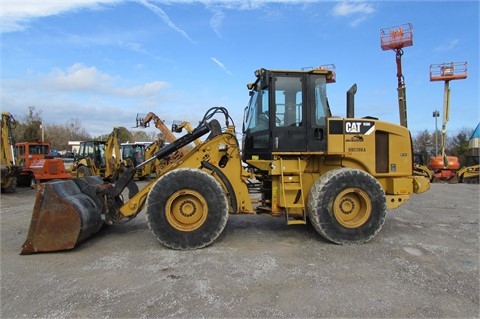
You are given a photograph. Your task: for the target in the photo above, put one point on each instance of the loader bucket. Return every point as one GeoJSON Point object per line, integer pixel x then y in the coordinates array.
{"type": "Point", "coordinates": [65, 213]}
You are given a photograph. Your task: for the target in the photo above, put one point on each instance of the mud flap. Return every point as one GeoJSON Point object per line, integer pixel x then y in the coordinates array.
{"type": "Point", "coordinates": [65, 213]}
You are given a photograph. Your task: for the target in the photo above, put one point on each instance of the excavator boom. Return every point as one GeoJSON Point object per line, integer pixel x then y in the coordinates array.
{"type": "Point", "coordinates": [9, 169]}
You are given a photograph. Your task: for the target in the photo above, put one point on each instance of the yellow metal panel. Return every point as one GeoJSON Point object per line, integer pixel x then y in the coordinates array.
{"type": "Point", "coordinates": [336, 143]}
{"type": "Point", "coordinates": [394, 201]}
{"type": "Point", "coordinates": [399, 186]}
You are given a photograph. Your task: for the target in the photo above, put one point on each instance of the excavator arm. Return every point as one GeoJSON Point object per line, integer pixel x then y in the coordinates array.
{"type": "Point", "coordinates": [159, 124]}
{"type": "Point", "coordinates": [112, 154]}
{"type": "Point", "coordinates": [165, 131]}
{"type": "Point", "coordinates": [9, 169]}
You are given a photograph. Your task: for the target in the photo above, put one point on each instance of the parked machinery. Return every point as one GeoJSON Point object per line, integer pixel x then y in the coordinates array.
{"type": "Point", "coordinates": [9, 169]}
{"type": "Point", "coordinates": [396, 38]}
{"type": "Point", "coordinates": [134, 154]}
{"type": "Point", "coordinates": [166, 133]}
{"type": "Point", "coordinates": [340, 173]}
{"type": "Point", "coordinates": [99, 158]}
{"type": "Point", "coordinates": [167, 137]}
{"type": "Point", "coordinates": [420, 168]}
{"type": "Point", "coordinates": [37, 165]}
{"type": "Point", "coordinates": [445, 167]}
{"type": "Point", "coordinates": [471, 172]}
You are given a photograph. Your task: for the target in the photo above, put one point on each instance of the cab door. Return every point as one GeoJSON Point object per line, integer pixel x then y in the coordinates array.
{"type": "Point", "coordinates": [287, 114]}
{"type": "Point", "coordinates": [317, 112]}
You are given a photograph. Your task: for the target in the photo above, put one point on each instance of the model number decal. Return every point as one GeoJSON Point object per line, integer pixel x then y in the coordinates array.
{"type": "Point", "coordinates": [357, 149]}
{"type": "Point", "coordinates": [359, 127]}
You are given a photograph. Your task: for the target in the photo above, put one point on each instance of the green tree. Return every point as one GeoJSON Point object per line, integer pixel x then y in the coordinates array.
{"type": "Point", "coordinates": [124, 135]}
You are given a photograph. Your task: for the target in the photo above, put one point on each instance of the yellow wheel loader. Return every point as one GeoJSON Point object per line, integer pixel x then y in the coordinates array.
{"type": "Point", "coordinates": [340, 173]}
{"type": "Point", "coordinates": [9, 169]}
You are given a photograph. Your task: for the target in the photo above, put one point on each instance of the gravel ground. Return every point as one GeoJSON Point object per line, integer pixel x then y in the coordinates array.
{"type": "Point", "coordinates": [424, 263]}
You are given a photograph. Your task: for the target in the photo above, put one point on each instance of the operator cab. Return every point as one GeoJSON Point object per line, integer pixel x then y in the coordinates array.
{"type": "Point", "coordinates": [287, 113]}
{"type": "Point", "coordinates": [94, 150]}
{"type": "Point", "coordinates": [134, 151]}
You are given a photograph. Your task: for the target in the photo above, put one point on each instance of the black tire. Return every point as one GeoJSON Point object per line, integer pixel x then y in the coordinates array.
{"type": "Point", "coordinates": [187, 209]}
{"type": "Point", "coordinates": [33, 181]}
{"type": "Point", "coordinates": [83, 171]}
{"type": "Point", "coordinates": [12, 185]}
{"type": "Point", "coordinates": [347, 206]}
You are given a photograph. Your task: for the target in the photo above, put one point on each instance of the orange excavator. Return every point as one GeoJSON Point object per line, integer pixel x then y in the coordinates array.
{"type": "Point", "coordinates": [445, 167]}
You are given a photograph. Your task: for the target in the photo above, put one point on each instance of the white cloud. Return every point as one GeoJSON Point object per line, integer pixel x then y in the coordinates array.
{"type": "Point", "coordinates": [165, 18]}
{"type": "Point", "coordinates": [358, 9]}
{"type": "Point", "coordinates": [81, 78]}
{"type": "Point", "coordinates": [220, 64]}
{"type": "Point", "coordinates": [76, 78]}
{"type": "Point", "coordinates": [345, 8]}
{"type": "Point", "coordinates": [147, 89]}
{"type": "Point", "coordinates": [447, 46]}
{"type": "Point", "coordinates": [217, 20]}
{"type": "Point", "coordinates": [15, 15]}
{"type": "Point", "coordinates": [83, 92]}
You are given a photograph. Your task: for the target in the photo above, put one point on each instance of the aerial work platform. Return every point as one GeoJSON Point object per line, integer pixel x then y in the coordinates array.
{"type": "Point", "coordinates": [396, 37]}
{"type": "Point", "coordinates": [448, 71]}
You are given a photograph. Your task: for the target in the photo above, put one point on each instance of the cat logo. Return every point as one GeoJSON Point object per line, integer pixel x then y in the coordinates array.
{"type": "Point", "coordinates": [353, 127]}
{"type": "Point", "coordinates": [359, 127]}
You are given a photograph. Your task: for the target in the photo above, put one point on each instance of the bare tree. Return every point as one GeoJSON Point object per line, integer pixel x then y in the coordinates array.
{"type": "Point", "coordinates": [142, 136]}
{"type": "Point", "coordinates": [422, 144]}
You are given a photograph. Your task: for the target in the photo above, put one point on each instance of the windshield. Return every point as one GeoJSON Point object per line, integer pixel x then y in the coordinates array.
{"type": "Point", "coordinates": [257, 113]}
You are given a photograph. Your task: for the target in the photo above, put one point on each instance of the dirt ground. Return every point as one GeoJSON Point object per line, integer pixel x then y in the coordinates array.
{"type": "Point", "coordinates": [423, 263]}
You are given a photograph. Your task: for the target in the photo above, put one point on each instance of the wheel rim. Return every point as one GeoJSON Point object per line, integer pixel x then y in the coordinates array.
{"type": "Point", "coordinates": [352, 207]}
{"type": "Point", "coordinates": [186, 210]}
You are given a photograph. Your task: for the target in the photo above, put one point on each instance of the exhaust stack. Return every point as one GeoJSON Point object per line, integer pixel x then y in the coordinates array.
{"type": "Point", "coordinates": [350, 101]}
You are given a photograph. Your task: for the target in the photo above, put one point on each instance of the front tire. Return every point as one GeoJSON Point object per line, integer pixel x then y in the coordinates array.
{"type": "Point", "coordinates": [347, 206]}
{"type": "Point", "coordinates": [187, 209]}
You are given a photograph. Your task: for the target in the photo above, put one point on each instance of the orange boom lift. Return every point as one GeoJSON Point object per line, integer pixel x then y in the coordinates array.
{"type": "Point", "coordinates": [445, 167]}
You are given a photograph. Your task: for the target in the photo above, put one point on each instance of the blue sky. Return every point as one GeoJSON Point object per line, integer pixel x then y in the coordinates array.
{"type": "Point", "coordinates": [104, 61]}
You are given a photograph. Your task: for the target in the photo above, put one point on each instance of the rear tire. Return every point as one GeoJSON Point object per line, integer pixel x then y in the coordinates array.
{"type": "Point", "coordinates": [83, 171]}
{"type": "Point", "coordinates": [34, 182]}
{"type": "Point", "coordinates": [347, 206]}
{"type": "Point", "coordinates": [187, 209]}
{"type": "Point", "coordinates": [12, 185]}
